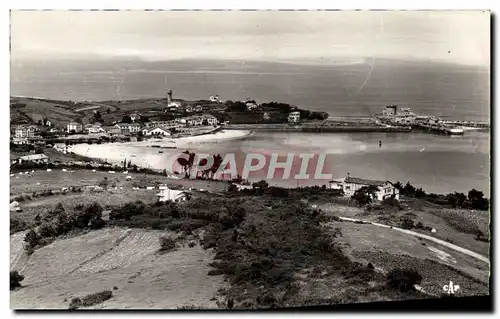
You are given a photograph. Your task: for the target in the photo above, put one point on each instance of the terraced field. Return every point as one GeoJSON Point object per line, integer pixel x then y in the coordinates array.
{"type": "Point", "coordinates": [123, 258]}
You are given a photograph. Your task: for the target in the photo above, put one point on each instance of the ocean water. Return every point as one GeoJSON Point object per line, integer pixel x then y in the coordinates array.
{"type": "Point", "coordinates": [449, 91]}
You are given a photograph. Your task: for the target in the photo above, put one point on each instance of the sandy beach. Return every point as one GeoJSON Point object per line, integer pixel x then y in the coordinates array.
{"type": "Point", "coordinates": [160, 156]}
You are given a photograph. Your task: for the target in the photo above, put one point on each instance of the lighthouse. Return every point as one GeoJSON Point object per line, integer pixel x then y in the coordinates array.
{"type": "Point", "coordinates": [169, 96]}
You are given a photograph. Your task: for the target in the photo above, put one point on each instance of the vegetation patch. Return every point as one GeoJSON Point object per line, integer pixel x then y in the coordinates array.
{"type": "Point", "coordinates": [15, 279]}
{"type": "Point", "coordinates": [90, 299]}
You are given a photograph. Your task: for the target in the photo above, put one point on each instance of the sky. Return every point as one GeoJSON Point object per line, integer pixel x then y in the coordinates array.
{"type": "Point", "coordinates": [461, 37]}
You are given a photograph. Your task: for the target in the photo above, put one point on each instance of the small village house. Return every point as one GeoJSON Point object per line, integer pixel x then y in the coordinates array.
{"type": "Point", "coordinates": [74, 127]}
{"type": "Point", "coordinates": [294, 117]}
{"type": "Point", "coordinates": [127, 128]}
{"type": "Point", "coordinates": [174, 104]}
{"type": "Point", "coordinates": [95, 128]}
{"type": "Point", "coordinates": [350, 185]}
{"type": "Point", "coordinates": [208, 119]}
{"type": "Point", "coordinates": [25, 131]}
{"type": "Point", "coordinates": [112, 130]}
{"type": "Point", "coordinates": [214, 98]}
{"type": "Point", "coordinates": [251, 106]}
{"type": "Point", "coordinates": [157, 131]}
{"type": "Point", "coordinates": [35, 158]}
{"type": "Point", "coordinates": [167, 194]}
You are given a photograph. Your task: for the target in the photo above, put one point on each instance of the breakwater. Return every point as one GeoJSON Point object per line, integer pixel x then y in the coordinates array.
{"type": "Point", "coordinates": [317, 128]}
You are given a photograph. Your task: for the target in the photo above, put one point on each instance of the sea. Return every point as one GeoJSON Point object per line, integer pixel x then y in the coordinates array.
{"type": "Point", "coordinates": [438, 164]}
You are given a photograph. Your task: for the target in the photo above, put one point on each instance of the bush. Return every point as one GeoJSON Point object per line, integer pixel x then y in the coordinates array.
{"type": "Point", "coordinates": [15, 279]}
{"type": "Point", "coordinates": [407, 224]}
{"type": "Point", "coordinates": [166, 243]}
{"type": "Point", "coordinates": [17, 225]}
{"type": "Point", "coordinates": [403, 279]}
{"type": "Point", "coordinates": [90, 300]}
{"type": "Point", "coordinates": [32, 239]}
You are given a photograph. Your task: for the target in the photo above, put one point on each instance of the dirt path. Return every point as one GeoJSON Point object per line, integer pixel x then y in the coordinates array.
{"type": "Point", "coordinates": [430, 238]}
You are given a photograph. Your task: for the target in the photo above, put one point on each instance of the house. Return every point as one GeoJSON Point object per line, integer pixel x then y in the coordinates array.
{"type": "Point", "coordinates": [25, 131]}
{"type": "Point", "coordinates": [156, 131]}
{"type": "Point", "coordinates": [112, 130]}
{"type": "Point", "coordinates": [208, 119]}
{"type": "Point", "coordinates": [35, 158]}
{"type": "Point", "coordinates": [390, 110]}
{"type": "Point", "coordinates": [74, 127]}
{"type": "Point", "coordinates": [174, 104]}
{"type": "Point", "coordinates": [127, 128]}
{"type": "Point", "coordinates": [294, 117]}
{"type": "Point", "coordinates": [94, 128]}
{"type": "Point", "coordinates": [192, 120]}
{"type": "Point", "coordinates": [214, 98]}
{"type": "Point", "coordinates": [350, 185]}
{"type": "Point", "coordinates": [61, 147]}
{"type": "Point", "coordinates": [135, 117]}
{"type": "Point", "coordinates": [167, 194]}
{"type": "Point", "coordinates": [251, 106]}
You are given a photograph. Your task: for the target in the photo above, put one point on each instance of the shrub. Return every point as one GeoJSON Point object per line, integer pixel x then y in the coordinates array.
{"type": "Point", "coordinates": [403, 279]}
{"type": "Point", "coordinates": [166, 243]}
{"type": "Point", "coordinates": [407, 223]}
{"type": "Point", "coordinates": [17, 225]}
{"type": "Point", "coordinates": [15, 279]}
{"type": "Point", "coordinates": [90, 300]}
{"type": "Point", "coordinates": [98, 223]}
{"type": "Point", "coordinates": [31, 238]}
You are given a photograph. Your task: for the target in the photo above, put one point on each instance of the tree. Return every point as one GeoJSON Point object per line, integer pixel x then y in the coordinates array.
{"type": "Point", "coordinates": [365, 195]}
{"type": "Point", "coordinates": [126, 119]}
{"type": "Point", "coordinates": [477, 200]}
{"type": "Point", "coordinates": [97, 115]}
{"type": "Point", "coordinates": [232, 188]}
{"type": "Point", "coordinates": [403, 279]}
{"type": "Point", "coordinates": [15, 279]}
{"type": "Point", "coordinates": [260, 185]}
{"type": "Point", "coordinates": [108, 111]}
{"type": "Point", "coordinates": [31, 238]}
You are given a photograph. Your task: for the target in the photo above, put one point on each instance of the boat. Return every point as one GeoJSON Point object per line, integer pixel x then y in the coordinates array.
{"type": "Point", "coordinates": [160, 151]}
{"type": "Point", "coordinates": [455, 131]}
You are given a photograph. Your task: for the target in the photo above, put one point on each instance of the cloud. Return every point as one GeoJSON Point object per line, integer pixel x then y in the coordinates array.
{"type": "Point", "coordinates": [253, 34]}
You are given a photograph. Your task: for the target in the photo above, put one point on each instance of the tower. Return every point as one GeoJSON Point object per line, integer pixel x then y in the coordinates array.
{"type": "Point", "coordinates": [169, 96]}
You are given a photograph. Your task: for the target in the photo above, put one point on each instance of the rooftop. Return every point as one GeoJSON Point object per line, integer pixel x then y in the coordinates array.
{"type": "Point", "coordinates": [362, 181]}
{"type": "Point", "coordinates": [33, 157]}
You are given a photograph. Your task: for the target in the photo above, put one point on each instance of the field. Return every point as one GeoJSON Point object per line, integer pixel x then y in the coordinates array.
{"type": "Point", "coordinates": [121, 258]}
{"type": "Point", "coordinates": [439, 219]}
{"type": "Point", "coordinates": [57, 178]}
{"type": "Point", "coordinates": [58, 114]}
{"type": "Point", "coordinates": [374, 244]}
{"type": "Point", "coordinates": [260, 251]}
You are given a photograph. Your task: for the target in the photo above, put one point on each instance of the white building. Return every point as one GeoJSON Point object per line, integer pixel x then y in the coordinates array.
{"type": "Point", "coordinates": [25, 131]}
{"type": "Point", "coordinates": [129, 127]}
{"type": "Point", "coordinates": [294, 117]}
{"type": "Point", "coordinates": [156, 132]}
{"type": "Point", "coordinates": [350, 185]}
{"type": "Point", "coordinates": [214, 98]}
{"type": "Point", "coordinates": [35, 158]}
{"type": "Point", "coordinates": [210, 119]}
{"type": "Point", "coordinates": [75, 127]}
{"type": "Point", "coordinates": [251, 106]}
{"type": "Point", "coordinates": [175, 104]}
{"type": "Point", "coordinates": [94, 128]}
{"type": "Point", "coordinates": [167, 194]}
